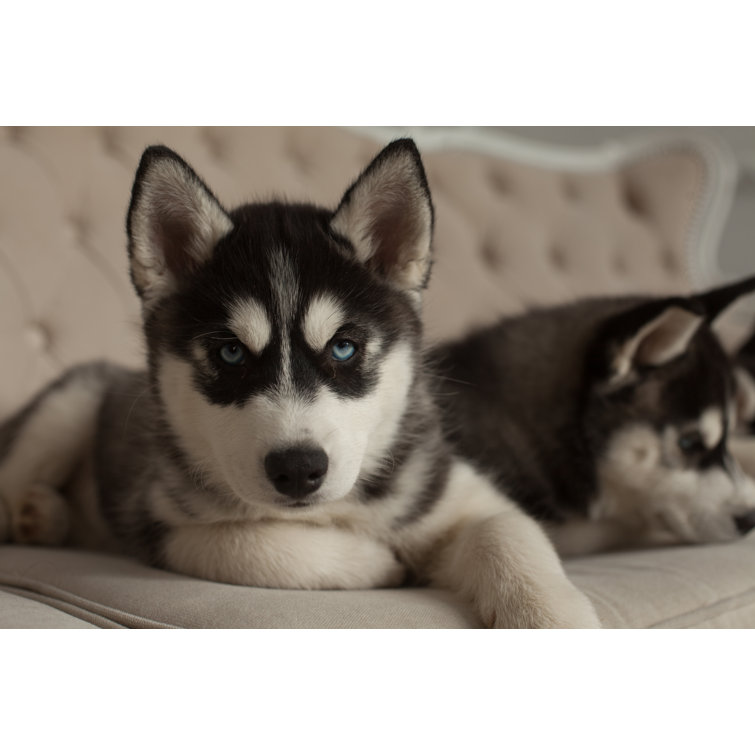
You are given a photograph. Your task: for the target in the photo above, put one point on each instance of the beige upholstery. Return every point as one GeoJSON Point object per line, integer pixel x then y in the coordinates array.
{"type": "Point", "coordinates": [508, 235]}
{"type": "Point", "coordinates": [708, 586]}
{"type": "Point", "coordinates": [513, 228]}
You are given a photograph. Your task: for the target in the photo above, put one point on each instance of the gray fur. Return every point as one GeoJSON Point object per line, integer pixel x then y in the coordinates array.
{"type": "Point", "coordinates": [531, 401]}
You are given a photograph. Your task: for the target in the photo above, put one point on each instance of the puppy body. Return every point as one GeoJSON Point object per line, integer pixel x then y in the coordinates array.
{"type": "Point", "coordinates": [285, 432]}
{"type": "Point", "coordinates": [607, 419]}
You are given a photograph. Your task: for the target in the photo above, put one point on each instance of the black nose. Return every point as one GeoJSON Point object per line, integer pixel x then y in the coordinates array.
{"type": "Point", "coordinates": [298, 471]}
{"type": "Point", "coordinates": [745, 522]}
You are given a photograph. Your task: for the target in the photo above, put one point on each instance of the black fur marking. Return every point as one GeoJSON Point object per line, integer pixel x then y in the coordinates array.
{"type": "Point", "coordinates": [523, 399]}
{"type": "Point", "coordinates": [717, 300]}
{"type": "Point", "coordinates": [437, 479]}
{"type": "Point", "coordinates": [150, 539]}
{"type": "Point", "coordinates": [745, 523]}
{"type": "Point", "coordinates": [419, 427]}
{"type": "Point", "coordinates": [716, 457]}
{"type": "Point", "coordinates": [702, 379]}
{"type": "Point", "coordinates": [381, 484]}
{"type": "Point", "coordinates": [242, 268]}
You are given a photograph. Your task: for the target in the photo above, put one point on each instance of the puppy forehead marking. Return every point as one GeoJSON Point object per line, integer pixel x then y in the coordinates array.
{"type": "Point", "coordinates": [711, 426]}
{"type": "Point", "coordinates": [250, 322]}
{"type": "Point", "coordinates": [323, 317]}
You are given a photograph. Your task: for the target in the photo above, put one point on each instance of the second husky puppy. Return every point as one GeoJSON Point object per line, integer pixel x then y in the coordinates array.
{"type": "Point", "coordinates": [284, 433]}
{"type": "Point", "coordinates": [608, 419]}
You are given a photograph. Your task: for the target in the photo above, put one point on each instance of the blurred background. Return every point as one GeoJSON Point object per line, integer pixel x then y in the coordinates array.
{"type": "Point", "coordinates": [737, 250]}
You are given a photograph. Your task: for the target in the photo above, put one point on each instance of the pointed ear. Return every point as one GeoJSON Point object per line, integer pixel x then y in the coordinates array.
{"type": "Point", "coordinates": [387, 216]}
{"type": "Point", "coordinates": [718, 299]}
{"type": "Point", "coordinates": [649, 335]}
{"type": "Point", "coordinates": [173, 223]}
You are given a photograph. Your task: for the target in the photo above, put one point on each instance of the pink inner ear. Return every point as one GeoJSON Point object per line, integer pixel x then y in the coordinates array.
{"type": "Point", "coordinates": [174, 236]}
{"type": "Point", "coordinates": [394, 231]}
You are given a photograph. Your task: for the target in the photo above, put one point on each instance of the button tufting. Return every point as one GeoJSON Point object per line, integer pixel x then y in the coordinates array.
{"type": "Point", "coordinates": [491, 256]}
{"type": "Point", "coordinates": [38, 336]}
{"type": "Point", "coordinates": [558, 258]}
{"type": "Point", "coordinates": [299, 155]}
{"type": "Point", "coordinates": [16, 133]}
{"type": "Point", "coordinates": [214, 142]}
{"type": "Point", "coordinates": [669, 261]}
{"type": "Point", "coordinates": [634, 201]}
{"type": "Point", "coordinates": [108, 138]}
{"type": "Point", "coordinates": [80, 227]}
{"type": "Point", "coordinates": [570, 188]}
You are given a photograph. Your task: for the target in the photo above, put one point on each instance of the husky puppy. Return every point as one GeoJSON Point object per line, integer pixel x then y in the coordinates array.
{"type": "Point", "coordinates": [607, 419]}
{"type": "Point", "coordinates": [284, 433]}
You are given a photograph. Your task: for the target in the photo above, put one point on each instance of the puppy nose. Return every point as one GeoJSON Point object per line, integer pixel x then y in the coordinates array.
{"type": "Point", "coordinates": [745, 522]}
{"type": "Point", "coordinates": [298, 471]}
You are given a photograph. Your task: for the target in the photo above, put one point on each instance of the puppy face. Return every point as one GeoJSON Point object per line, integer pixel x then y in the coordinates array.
{"type": "Point", "coordinates": [291, 366]}
{"type": "Point", "coordinates": [666, 469]}
{"type": "Point", "coordinates": [283, 339]}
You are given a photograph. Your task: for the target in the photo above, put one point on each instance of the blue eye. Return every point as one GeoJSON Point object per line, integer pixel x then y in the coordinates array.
{"type": "Point", "coordinates": [691, 442]}
{"type": "Point", "coordinates": [343, 350]}
{"type": "Point", "coordinates": [233, 354]}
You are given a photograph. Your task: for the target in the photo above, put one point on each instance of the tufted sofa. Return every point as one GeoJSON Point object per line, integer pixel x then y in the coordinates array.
{"type": "Point", "coordinates": [517, 225]}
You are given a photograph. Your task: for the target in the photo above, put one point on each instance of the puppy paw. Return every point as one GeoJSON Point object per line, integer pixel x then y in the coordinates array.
{"type": "Point", "coordinates": [573, 610]}
{"type": "Point", "coordinates": [562, 606]}
{"type": "Point", "coordinates": [42, 517]}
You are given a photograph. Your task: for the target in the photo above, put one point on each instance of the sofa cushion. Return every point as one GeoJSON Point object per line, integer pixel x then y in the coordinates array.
{"type": "Point", "coordinates": [18, 611]}
{"type": "Point", "coordinates": [703, 586]}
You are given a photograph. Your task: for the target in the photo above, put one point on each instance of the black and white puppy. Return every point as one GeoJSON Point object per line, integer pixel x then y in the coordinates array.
{"type": "Point", "coordinates": [607, 419]}
{"type": "Point", "coordinates": [284, 433]}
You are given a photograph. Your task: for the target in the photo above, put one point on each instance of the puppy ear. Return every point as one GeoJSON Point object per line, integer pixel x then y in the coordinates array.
{"type": "Point", "coordinates": [387, 216]}
{"type": "Point", "coordinates": [649, 335]}
{"type": "Point", "coordinates": [173, 223]}
{"type": "Point", "coordinates": [718, 299]}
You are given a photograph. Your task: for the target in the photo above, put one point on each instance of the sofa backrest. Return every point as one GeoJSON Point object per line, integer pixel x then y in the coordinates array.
{"type": "Point", "coordinates": [516, 225]}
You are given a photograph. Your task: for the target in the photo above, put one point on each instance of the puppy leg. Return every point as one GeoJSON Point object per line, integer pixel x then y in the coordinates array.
{"type": "Point", "coordinates": [500, 559]}
{"type": "Point", "coordinates": [42, 445]}
{"type": "Point", "coordinates": [283, 555]}
{"type": "Point", "coordinates": [508, 569]}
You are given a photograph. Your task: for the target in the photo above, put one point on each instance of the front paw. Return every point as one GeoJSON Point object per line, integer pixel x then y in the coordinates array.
{"type": "Point", "coordinates": [569, 608]}
{"type": "Point", "coordinates": [561, 606]}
